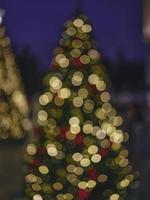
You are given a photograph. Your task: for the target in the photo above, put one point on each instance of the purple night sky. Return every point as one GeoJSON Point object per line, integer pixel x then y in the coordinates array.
{"type": "Point", "coordinates": [38, 24]}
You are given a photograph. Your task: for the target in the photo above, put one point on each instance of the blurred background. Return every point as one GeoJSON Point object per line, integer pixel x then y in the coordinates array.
{"type": "Point", "coordinates": [122, 33]}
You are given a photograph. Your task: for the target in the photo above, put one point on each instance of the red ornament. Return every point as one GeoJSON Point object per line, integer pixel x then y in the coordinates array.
{"type": "Point", "coordinates": [63, 132]}
{"type": "Point", "coordinates": [93, 89]}
{"type": "Point", "coordinates": [103, 152]}
{"type": "Point", "coordinates": [79, 139]}
{"type": "Point", "coordinates": [76, 62]}
{"type": "Point", "coordinates": [40, 150]}
{"type": "Point", "coordinates": [83, 194]}
{"type": "Point", "coordinates": [92, 173]}
{"type": "Point", "coordinates": [35, 163]}
{"type": "Point", "coordinates": [37, 131]}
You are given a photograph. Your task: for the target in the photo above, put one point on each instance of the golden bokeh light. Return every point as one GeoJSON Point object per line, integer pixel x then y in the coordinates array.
{"type": "Point", "coordinates": [55, 83]}
{"type": "Point", "coordinates": [77, 78]}
{"type": "Point", "coordinates": [114, 197]}
{"type": "Point", "coordinates": [85, 162]}
{"type": "Point", "coordinates": [83, 92]}
{"type": "Point", "coordinates": [101, 85]}
{"type": "Point", "coordinates": [75, 129]}
{"type": "Point", "coordinates": [78, 22]}
{"type": "Point", "coordinates": [64, 93]}
{"type": "Point", "coordinates": [77, 157]}
{"type": "Point", "coordinates": [51, 150]}
{"type": "Point", "coordinates": [96, 158]}
{"type": "Point", "coordinates": [82, 185]}
{"type": "Point", "coordinates": [74, 120]}
{"type": "Point", "coordinates": [84, 59]}
{"type": "Point", "coordinates": [93, 79]}
{"type": "Point", "coordinates": [93, 54]}
{"type": "Point", "coordinates": [93, 149]}
{"type": "Point", "coordinates": [87, 127]}
{"type": "Point", "coordinates": [86, 28]}
{"type": "Point", "coordinates": [105, 97]}
{"type": "Point", "coordinates": [91, 184]}
{"type": "Point", "coordinates": [43, 169]}
{"type": "Point", "coordinates": [57, 186]}
{"type": "Point", "coordinates": [102, 178]}
{"type": "Point", "coordinates": [78, 102]}
{"type": "Point", "coordinates": [37, 197]}
{"type": "Point", "coordinates": [31, 149]}
{"type": "Point", "coordinates": [75, 53]}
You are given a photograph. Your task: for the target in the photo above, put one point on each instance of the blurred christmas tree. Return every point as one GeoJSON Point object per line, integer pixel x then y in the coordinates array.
{"type": "Point", "coordinates": [14, 111]}
{"type": "Point", "coordinates": [79, 152]}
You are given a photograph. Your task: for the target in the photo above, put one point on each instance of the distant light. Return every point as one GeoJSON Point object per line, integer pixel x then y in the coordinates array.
{"type": "Point", "coordinates": [2, 13]}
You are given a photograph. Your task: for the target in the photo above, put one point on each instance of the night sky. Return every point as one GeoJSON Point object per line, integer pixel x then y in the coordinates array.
{"type": "Point", "coordinates": [37, 24]}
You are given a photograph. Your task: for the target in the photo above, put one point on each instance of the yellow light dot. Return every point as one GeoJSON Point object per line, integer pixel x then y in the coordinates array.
{"type": "Point", "coordinates": [71, 168]}
{"type": "Point", "coordinates": [107, 107]}
{"type": "Point", "coordinates": [78, 22]}
{"type": "Point", "coordinates": [85, 162]}
{"type": "Point", "coordinates": [31, 178]}
{"type": "Point", "coordinates": [93, 79]}
{"type": "Point", "coordinates": [105, 144]}
{"type": "Point", "coordinates": [37, 197]}
{"type": "Point", "coordinates": [77, 78]}
{"type": "Point", "coordinates": [123, 162]}
{"type": "Point", "coordinates": [77, 157]}
{"type": "Point", "coordinates": [60, 197]}
{"type": "Point", "coordinates": [116, 137]}
{"type": "Point", "coordinates": [76, 44]}
{"type": "Point", "coordinates": [82, 185]}
{"type": "Point", "coordinates": [87, 127]}
{"type": "Point", "coordinates": [64, 93]}
{"type": "Point", "coordinates": [102, 178]}
{"type": "Point", "coordinates": [100, 134]}
{"type": "Point", "coordinates": [68, 196]}
{"type": "Point", "coordinates": [71, 31]}
{"type": "Point", "coordinates": [42, 115]}
{"type": "Point", "coordinates": [84, 59]}
{"type": "Point", "coordinates": [91, 184]}
{"type": "Point", "coordinates": [114, 197]}
{"type": "Point", "coordinates": [117, 121]}
{"type": "Point", "coordinates": [59, 56]}
{"type": "Point", "coordinates": [70, 136]}
{"type": "Point", "coordinates": [93, 54]}
{"type": "Point", "coordinates": [96, 158]}
{"type": "Point", "coordinates": [57, 186]}
{"type": "Point", "coordinates": [88, 106]}
{"type": "Point", "coordinates": [86, 28]}
{"type": "Point", "coordinates": [31, 149]}
{"type": "Point", "coordinates": [44, 99]}
{"type": "Point", "coordinates": [75, 129]}
{"type": "Point", "coordinates": [83, 93]}
{"type": "Point", "coordinates": [124, 153]}
{"type": "Point", "coordinates": [51, 150]}
{"type": "Point", "coordinates": [55, 83]}
{"type": "Point", "coordinates": [36, 187]}
{"type": "Point", "coordinates": [74, 120]}
{"type": "Point", "coordinates": [78, 102]}
{"type": "Point", "coordinates": [63, 62]}
{"type": "Point", "coordinates": [75, 53]}
{"type": "Point", "coordinates": [43, 169]}
{"type": "Point", "coordinates": [124, 183]}
{"type": "Point", "coordinates": [100, 113]}
{"type": "Point", "coordinates": [105, 97]}
{"type": "Point", "coordinates": [93, 149]}
{"type": "Point", "coordinates": [101, 85]}
{"type": "Point", "coordinates": [78, 170]}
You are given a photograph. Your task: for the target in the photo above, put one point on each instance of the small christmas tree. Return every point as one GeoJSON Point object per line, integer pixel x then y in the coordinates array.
{"type": "Point", "coordinates": [79, 152]}
{"type": "Point", "coordinates": [14, 111]}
